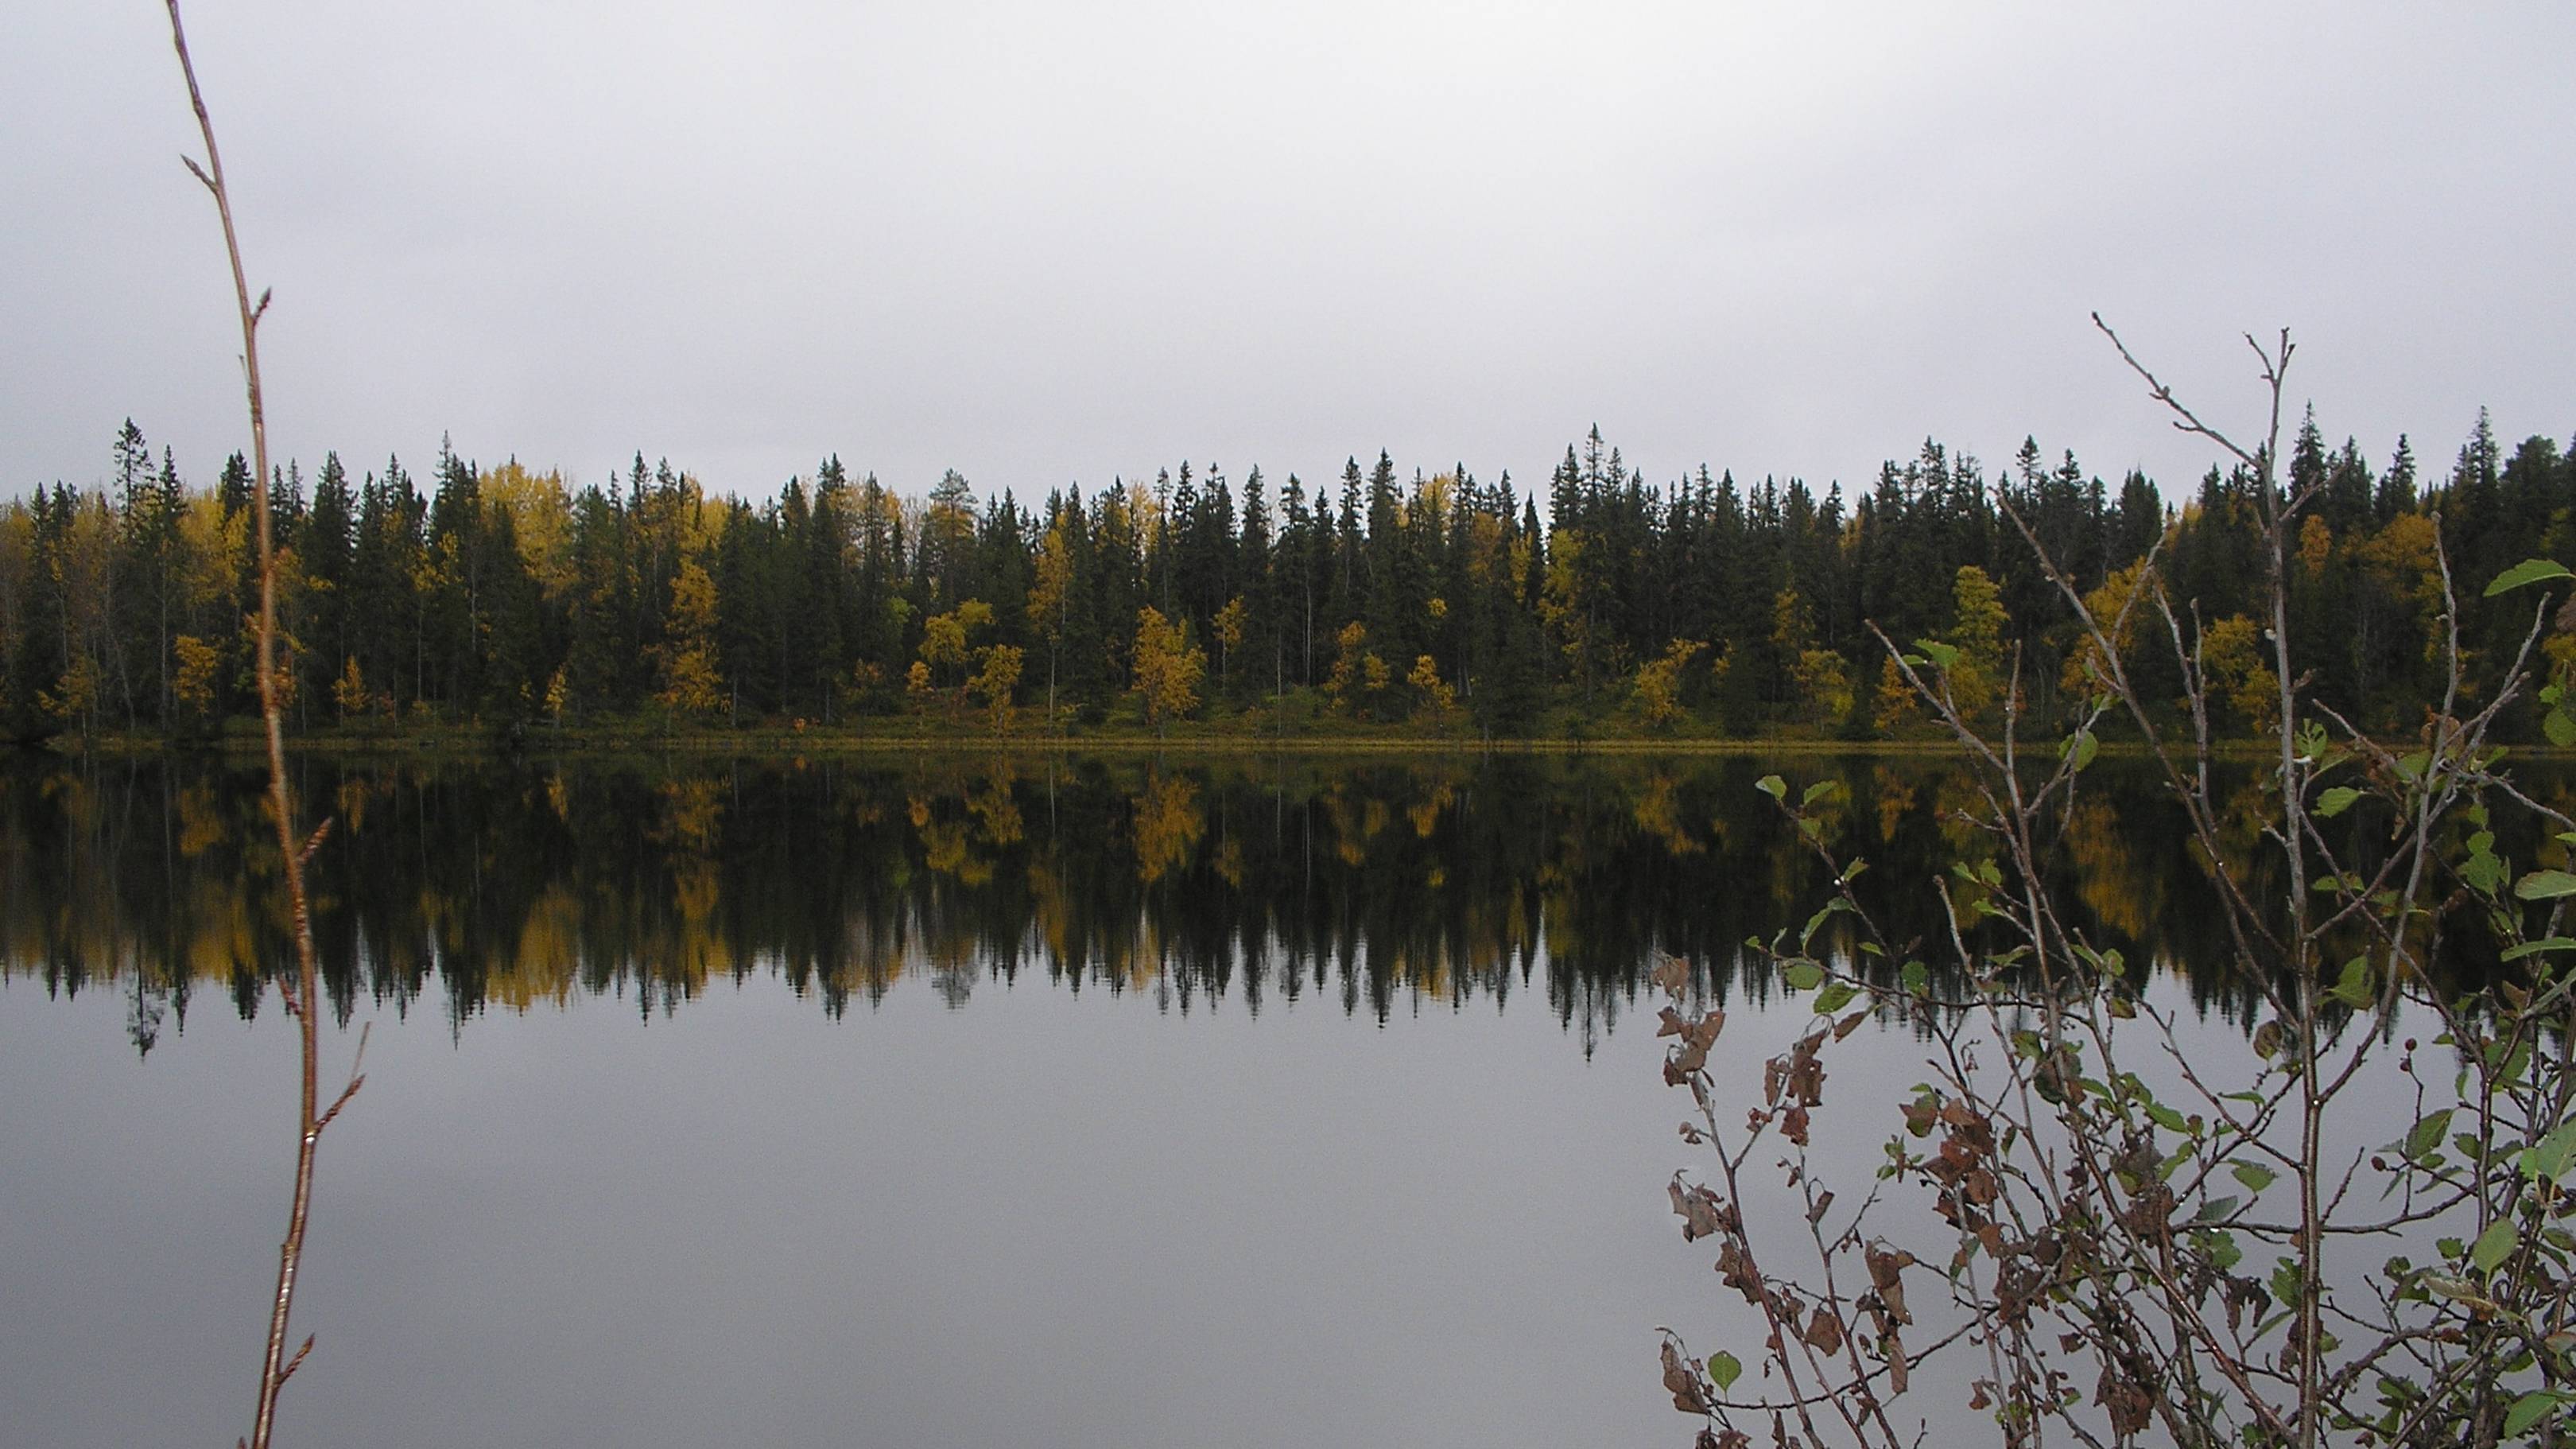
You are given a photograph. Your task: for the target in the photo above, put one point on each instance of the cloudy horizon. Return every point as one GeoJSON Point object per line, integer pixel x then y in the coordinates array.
{"type": "Point", "coordinates": [1045, 245]}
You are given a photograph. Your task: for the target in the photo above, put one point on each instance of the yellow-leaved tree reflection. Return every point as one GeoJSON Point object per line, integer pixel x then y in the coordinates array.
{"type": "Point", "coordinates": [1380, 884]}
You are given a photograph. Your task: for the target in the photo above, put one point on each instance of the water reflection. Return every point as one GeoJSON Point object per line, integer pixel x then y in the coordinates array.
{"type": "Point", "coordinates": [1378, 883]}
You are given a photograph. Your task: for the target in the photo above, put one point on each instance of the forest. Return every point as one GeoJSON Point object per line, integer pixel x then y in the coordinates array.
{"type": "Point", "coordinates": [502, 599]}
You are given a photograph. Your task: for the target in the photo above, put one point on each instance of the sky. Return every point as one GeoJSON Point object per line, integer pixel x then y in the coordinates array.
{"type": "Point", "coordinates": [1046, 243]}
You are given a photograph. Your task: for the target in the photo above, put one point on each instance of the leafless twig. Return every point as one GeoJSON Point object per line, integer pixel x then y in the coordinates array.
{"type": "Point", "coordinates": [275, 1368]}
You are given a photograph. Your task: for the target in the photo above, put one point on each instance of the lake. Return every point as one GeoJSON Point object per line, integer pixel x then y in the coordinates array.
{"type": "Point", "coordinates": [911, 1101]}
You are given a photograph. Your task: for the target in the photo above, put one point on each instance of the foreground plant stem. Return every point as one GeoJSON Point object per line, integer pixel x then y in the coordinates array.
{"type": "Point", "coordinates": [311, 1118]}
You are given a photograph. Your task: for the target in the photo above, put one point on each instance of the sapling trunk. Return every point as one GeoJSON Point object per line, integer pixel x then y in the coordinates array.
{"type": "Point", "coordinates": [303, 1001]}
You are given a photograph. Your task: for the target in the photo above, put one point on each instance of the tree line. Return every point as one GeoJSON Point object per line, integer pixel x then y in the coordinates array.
{"type": "Point", "coordinates": [502, 596]}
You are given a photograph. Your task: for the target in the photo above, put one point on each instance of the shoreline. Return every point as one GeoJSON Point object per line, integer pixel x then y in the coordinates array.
{"type": "Point", "coordinates": [786, 744]}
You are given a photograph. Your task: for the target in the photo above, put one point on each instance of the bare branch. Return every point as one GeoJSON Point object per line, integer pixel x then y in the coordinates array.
{"type": "Point", "coordinates": [305, 992]}
{"type": "Point", "coordinates": [2185, 420]}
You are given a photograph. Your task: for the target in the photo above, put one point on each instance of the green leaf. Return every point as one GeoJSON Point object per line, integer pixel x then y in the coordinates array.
{"type": "Point", "coordinates": [2353, 989]}
{"type": "Point", "coordinates": [1803, 975]}
{"type": "Point", "coordinates": [1773, 786]}
{"type": "Point", "coordinates": [2529, 1410]}
{"type": "Point", "coordinates": [2493, 1245]}
{"type": "Point", "coordinates": [2545, 885]}
{"type": "Point", "coordinates": [1944, 655]}
{"type": "Point", "coordinates": [2426, 1135]}
{"type": "Point", "coordinates": [2529, 571]}
{"type": "Point", "coordinates": [1916, 978]}
{"type": "Point", "coordinates": [2255, 1176]}
{"type": "Point", "coordinates": [2483, 873]}
{"type": "Point", "coordinates": [2166, 1117]}
{"type": "Point", "coordinates": [1815, 923]}
{"type": "Point", "coordinates": [2336, 801]}
{"type": "Point", "coordinates": [1834, 998]}
{"type": "Point", "coordinates": [2547, 1159]}
{"type": "Point", "coordinates": [2222, 1249]}
{"type": "Point", "coordinates": [2560, 727]}
{"type": "Point", "coordinates": [2534, 948]}
{"type": "Point", "coordinates": [2082, 747]}
{"type": "Point", "coordinates": [1818, 791]}
{"type": "Point", "coordinates": [2284, 1281]}
{"type": "Point", "coordinates": [1723, 1370]}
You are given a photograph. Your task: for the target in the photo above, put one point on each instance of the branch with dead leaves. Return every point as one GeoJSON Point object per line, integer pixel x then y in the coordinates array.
{"type": "Point", "coordinates": [2090, 1182]}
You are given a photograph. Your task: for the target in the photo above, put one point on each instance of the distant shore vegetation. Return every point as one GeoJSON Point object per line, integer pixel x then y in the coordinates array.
{"type": "Point", "coordinates": [502, 603]}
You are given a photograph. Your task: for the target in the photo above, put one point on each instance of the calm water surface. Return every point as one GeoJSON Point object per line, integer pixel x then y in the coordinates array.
{"type": "Point", "coordinates": [1071, 1101]}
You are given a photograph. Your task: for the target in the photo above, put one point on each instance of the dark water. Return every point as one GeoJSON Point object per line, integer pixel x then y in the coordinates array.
{"type": "Point", "coordinates": [1378, 886]}
{"type": "Point", "coordinates": [954, 1101]}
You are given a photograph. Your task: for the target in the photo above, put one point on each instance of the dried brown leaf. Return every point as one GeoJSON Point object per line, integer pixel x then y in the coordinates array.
{"type": "Point", "coordinates": [1700, 1211]}
{"type": "Point", "coordinates": [1886, 1271]}
{"type": "Point", "coordinates": [1690, 1395]}
{"type": "Point", "coordinates": [1673, 977]}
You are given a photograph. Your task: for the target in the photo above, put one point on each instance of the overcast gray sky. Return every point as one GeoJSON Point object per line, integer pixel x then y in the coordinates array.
{"type": "Point", "coordinates": [1044, 243]}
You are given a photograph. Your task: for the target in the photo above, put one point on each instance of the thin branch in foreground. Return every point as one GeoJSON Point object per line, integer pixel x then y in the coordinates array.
{"type": "Point", "coordinates": [276, 1368]}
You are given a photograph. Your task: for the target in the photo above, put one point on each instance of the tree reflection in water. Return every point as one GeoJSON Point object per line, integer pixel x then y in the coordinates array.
{"type": "Point", "coordinates": [1383, 883]}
